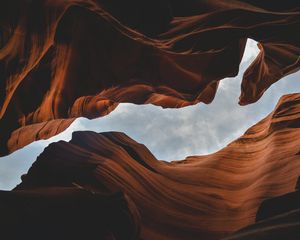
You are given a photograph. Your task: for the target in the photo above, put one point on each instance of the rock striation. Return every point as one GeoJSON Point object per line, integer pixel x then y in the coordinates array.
{"type": "Point", "coordinates": [201, 197]}
{"type": "Point", "coordinates": [64, 59]}
{"type": "Point", "coordinates": [277, 218]}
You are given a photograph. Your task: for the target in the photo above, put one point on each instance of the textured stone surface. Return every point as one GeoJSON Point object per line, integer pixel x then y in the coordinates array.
{"type": "Point", "coordinates": [277, 218]}
{"type": "Point", "coordinates": [60, 60]}
{"type": "Point", "coordinates": [200, 197]}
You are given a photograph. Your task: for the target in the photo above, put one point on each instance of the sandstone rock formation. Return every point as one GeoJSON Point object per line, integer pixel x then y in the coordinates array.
{"type": "Point", "coordinates": [68, 58]}
{"type": "Point", "coordinates": [278, 218]}
{"type": "Point", "coordinates": [285, 226]}
{"type": "Point", "coordinates": [201, 197]}
{"type": "Point", "coordinates": [65, 213]}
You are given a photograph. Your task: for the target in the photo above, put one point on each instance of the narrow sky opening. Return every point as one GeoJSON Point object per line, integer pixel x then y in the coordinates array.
{"type": "Point", "coordinates": [170, 134]}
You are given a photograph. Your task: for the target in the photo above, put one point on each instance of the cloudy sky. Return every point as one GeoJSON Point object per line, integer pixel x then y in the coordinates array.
{"type": "Point", "coordinates": [171, 134]}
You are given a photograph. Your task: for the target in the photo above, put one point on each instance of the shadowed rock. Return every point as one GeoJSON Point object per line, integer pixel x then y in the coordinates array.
{"type": "Point", "coordinates": [279, 205]}
{"type": "Point", "coordinates": [201, 197]}
{"type": "Point", "coordinates": [60, 60]}
{"type": "Point", "coordinates": [66, 213]}
{"type": "Point", "coordinates": [277, 218]}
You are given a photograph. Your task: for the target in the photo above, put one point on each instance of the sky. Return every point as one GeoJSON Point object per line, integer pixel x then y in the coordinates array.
{"type": "Point", "coordinates": [170, 134]}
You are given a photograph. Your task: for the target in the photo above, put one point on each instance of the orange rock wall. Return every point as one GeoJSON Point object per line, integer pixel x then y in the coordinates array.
{"type": "Point", "coordinates": [60, 60]}
{"type": "Point", "coordinates": [200, 197]}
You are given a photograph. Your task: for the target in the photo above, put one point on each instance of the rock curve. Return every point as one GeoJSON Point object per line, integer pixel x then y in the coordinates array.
{"type": "Point", "coordinates": [200, 197]}
{"type": "Point", "coordinates": [60, 60]}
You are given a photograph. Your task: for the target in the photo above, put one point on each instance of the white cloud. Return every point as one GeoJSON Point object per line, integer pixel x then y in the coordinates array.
{"type": "Point", "coordinates": [251, 51]}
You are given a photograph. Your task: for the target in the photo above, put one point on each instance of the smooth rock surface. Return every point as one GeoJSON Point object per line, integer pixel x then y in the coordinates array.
{"type": "Point", "coordinates": [60, 59]}
{"type": "Point", "coordinates": [200, 197]}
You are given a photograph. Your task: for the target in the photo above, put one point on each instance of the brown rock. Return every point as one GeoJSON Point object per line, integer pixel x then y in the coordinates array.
{"type": "Point", "coordinates": [283, 226]}
{"type": "Point", "coordinates": [66, 213]}
{"type": "Point", "coordinates": [201, 197]}
{"type": "Point", "coordinates": [277, 218]}
{"type": "Point", "coordinates": [60, 60]}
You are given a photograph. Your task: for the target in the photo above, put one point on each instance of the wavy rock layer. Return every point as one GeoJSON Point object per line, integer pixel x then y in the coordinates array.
{"type": "Point", "coordinates": [201, 197]}
{"type": "Point", "coordinates": [64, 59]}
{"type": "Point", "coordinates": [280, 219]}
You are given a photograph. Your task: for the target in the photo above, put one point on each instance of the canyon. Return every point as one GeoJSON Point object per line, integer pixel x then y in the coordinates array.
{"type": "Point", "coordinates": [72, 57]}
{"type": "Point", "coordinates": [60, 60]}
{"type": "Point", "coordinates": [200, 197]}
